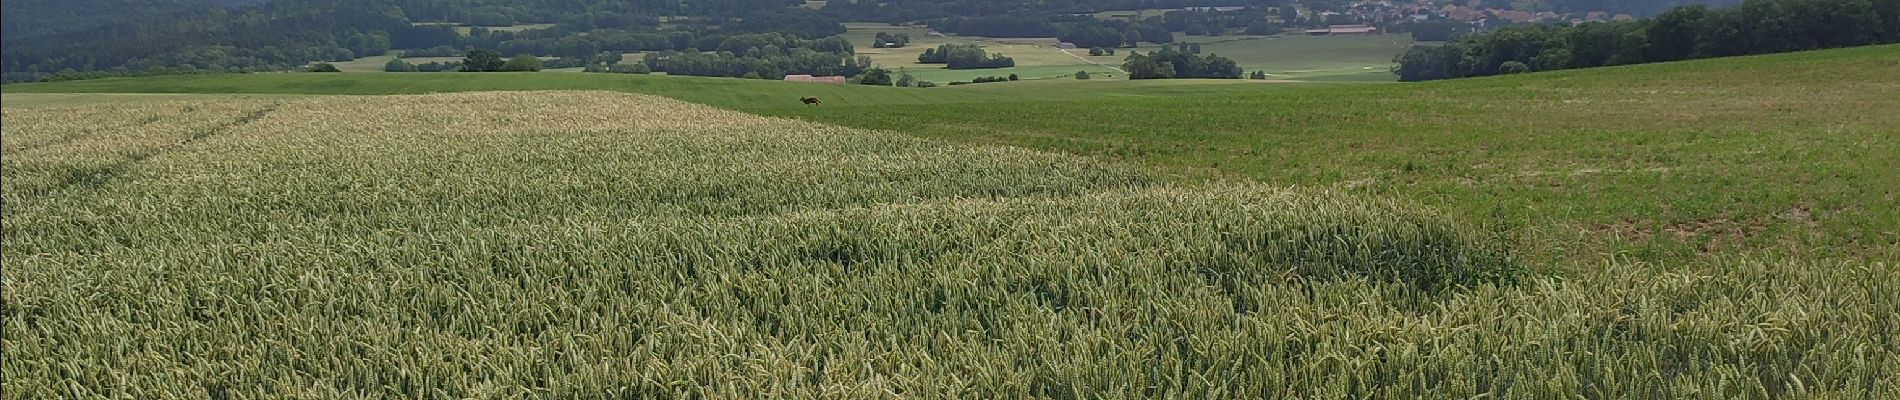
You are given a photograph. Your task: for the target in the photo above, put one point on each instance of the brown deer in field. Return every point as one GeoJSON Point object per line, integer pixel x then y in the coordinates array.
{"type": "Point", "coordinates": [810, 101]}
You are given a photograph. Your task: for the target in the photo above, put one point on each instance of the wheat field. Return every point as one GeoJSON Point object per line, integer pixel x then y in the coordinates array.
{"type": "Point", "coordinates": [595, 245]}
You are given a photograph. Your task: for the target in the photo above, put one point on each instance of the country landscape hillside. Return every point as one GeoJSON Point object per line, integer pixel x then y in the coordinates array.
{"type": "Point", "coordinates": [1717, 228]}
{"type": "Point", "coordinates": [769, 39]}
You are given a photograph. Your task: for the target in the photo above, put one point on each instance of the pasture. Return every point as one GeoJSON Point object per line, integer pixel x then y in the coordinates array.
{"type": "Point", "coordinates": [1034, 56]}
{"type": "Point", "coordinates": [1664, 162]}
{"type": "Point", "coordinates": [1296, 57]}
{"type": "Point", "coordinates": [376, 63]}
{"type": "Point", "coordinates": [1287, 57]}
{"type": "Point", "coordinates": [1678, 230]}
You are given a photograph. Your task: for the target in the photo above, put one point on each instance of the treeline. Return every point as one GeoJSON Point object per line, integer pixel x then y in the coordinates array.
{"type": "Point", "coordinates": [728, 64]}
{"type": "Point", "coordinates": [75, 75]}
{"type": "Point", "coordinates": [1216, 23]}
{"type": "Point", "coordinates": [46, 37]}
{"type": "Point", "coordinates": [485, 60]}
{"type": "Point", "coordinates": [583, 44]}
{"type": "Point", "coordinates": [888, 40]}
{"type": "Point", "coordinates": [896, 11]}
{"type": "Point", "coordinates": [277, 35]}
{"type": "Point", "coordinates": [755, 56]}
{"type": "Point", "coordinates": [510, 12]}
{"type": "Point", "coordinates": [997, 26]}
{"type": "Point", "coordinates": [763, 56]}
{"type": "Point", "coordinates": [1115, 33]}
{"type": "Point", "coordinates": [1170, 64]}
{"type": "Point", "coordinates": [400, 65]}
{"type": "Point", "coordinates": [1092, 32]}
{"type": "Point", "coordinates": [1088, 31]}
{"type": "Point", "coordinates": [964, 56]}
{"type": "Point", "coordinates": [1634, 7]}
{"type": "Point", "coordinates": [1690, 32]}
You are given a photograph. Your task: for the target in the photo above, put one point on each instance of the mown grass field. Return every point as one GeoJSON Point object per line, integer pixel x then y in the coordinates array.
{"type": "Point", "coordinates": [1683, 230]}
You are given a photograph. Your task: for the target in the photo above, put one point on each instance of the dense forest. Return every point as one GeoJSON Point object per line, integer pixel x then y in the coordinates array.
{"type": "Point", "coordinates": [924, 10]}
{"type": "Point", "coordinates": [1689, 32]}
{"type": "Point", "coordinates": [92, 37]}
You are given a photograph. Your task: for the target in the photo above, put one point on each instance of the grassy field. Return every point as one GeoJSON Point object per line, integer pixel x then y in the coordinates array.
{"type": "Point", "coordinates": [372, 63]}
{"type": "Point", "coordinates": [1319, 58]}
{"type": "Point", "coordinates": [941, 76]}
{"type": "Point", "coordinates": [1682, 230]}
{"type": "Point", "coordinates": [1656, 162]}
{"type": "Point", "coordinates": [723, 92]}
{"type": "Point", "coordinates": [1034, 57]}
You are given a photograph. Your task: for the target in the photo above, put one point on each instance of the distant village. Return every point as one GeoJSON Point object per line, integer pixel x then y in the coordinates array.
{"type": "Point", "coordinates": [1375, 17]}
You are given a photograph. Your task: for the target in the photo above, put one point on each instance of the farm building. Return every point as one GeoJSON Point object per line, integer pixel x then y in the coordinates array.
{"type": "Point", "coordinates": [1065, 45]}
{"type": "Point", "coordinates": [1343, 30]}
{"type": "Point", "coordinates": [818, 79]}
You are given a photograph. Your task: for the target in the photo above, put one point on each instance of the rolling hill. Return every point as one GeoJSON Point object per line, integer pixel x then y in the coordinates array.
{"type": "Point", "coordinates": [1659, 151]}
{"type": "Point", "coordinates": [1658, 231]}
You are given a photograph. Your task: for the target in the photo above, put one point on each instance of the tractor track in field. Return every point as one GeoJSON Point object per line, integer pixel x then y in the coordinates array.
{"type": "Point", "coordinates": [96, 177]}
{"type": "Point", "coordinates": [1086, 60]}
{"type": "Point", "coordinates": [83, 133]}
